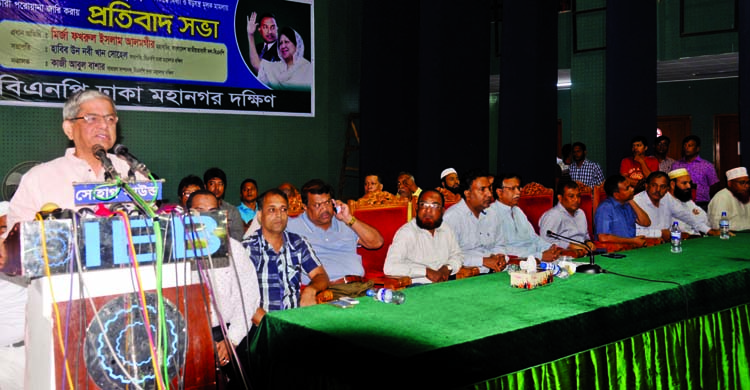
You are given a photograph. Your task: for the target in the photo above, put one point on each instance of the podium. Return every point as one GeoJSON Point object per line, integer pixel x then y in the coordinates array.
{"type": "Point", "coordinates": [90, 272]}
{"type": "Point", "coordinates": [45, 363]}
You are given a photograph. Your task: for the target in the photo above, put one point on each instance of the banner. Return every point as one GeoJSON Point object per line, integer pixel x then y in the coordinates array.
{"type": "Point", "coordinates": [161, 55]}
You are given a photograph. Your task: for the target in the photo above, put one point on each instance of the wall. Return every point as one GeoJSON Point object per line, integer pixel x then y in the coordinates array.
{"type": "Point", "coordinates": [269, 149]}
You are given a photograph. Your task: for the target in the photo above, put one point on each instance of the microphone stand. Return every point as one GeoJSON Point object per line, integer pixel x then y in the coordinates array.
{"type": "Point", "coordinates": [589, 268]}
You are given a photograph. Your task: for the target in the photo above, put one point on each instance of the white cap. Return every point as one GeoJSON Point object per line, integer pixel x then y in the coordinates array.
{"type": "Point", "coordinates": [736, 172]}
{"type": "Point", "coordinates": [4, 208]}
{"type": "Point", "coordinates": [447, 171]}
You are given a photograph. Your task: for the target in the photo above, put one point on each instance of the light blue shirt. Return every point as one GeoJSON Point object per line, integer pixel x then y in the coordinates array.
{"type": "Point", "coordinates": [476, 236]}
{"type": "Point", "coordinates": [559, 221]}
{"type": "Point", "coordinates": [668, 211]}
{"type": "Point", "coordinates": [516, 234]}
{"type": "Point", "coordinates": [336, 247]}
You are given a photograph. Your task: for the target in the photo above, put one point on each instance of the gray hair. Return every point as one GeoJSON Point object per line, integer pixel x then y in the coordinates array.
{"type": "Point", "coordinates": [73, 105]}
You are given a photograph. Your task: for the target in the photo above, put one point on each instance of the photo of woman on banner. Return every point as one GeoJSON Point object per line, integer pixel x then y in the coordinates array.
{"type": "Point", "coordinates": [293, 72]}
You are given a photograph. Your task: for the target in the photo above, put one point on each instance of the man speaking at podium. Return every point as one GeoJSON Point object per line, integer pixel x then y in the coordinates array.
{"type": "Point", "coordinates": [89, 119]}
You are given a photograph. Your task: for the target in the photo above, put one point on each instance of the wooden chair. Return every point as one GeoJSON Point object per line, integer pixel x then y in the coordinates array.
{"type": "Point", "coordinates": [386, 214]}
{"type": "Point", "coordinates": [535, 200]}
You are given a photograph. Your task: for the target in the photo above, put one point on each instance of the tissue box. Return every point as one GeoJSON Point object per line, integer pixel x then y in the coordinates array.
{"type": "Point", "coordinates": [523, 279]}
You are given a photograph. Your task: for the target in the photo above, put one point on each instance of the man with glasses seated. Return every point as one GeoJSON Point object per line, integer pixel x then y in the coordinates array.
{"type": "Point", "coordinates": [89, 119]}
{"type": "Point", "coordinates": [334, 234]}
{"type": "Point", "coordinates": [515, 233]}
{"type": "Point", "coordinates": [424, 248]}
{"type": "Point", "coordinates": [735, 200]}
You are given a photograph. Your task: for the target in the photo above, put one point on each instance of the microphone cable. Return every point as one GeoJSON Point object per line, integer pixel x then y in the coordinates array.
{"type": "Point", "coordinates": [682, 288]}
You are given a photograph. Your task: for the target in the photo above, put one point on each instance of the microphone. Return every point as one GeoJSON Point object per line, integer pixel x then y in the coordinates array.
{"type": "Point", "coordinates": [589, 268]}
{"type": "Point", "coordinates": [134, 163]}
{"type": "Point", "coordinates": [101, 155]}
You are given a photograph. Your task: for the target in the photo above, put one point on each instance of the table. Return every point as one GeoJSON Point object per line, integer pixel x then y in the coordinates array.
{"type": "Point", "coordinates": [606, 330]}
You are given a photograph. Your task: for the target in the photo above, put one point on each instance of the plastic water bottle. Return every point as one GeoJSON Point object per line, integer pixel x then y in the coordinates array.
{"type": "Point", "coordinates": [555, 268]}
{"type": "Point", "coordinates": [676, 235]}
{"type": "Point", "coordinates": [724, 226]}
{"type": "Point", "coordinates": [386, 295]}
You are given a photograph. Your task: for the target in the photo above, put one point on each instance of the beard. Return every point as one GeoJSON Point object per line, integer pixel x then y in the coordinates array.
{"type": "Point", "coordinates": [742, 196]}
{"type": "Point", "coordinates": [683, 195]}
{"type": "Point", "coordinates": [455, 190]}
{"type": "Point", "coordinates": [430, 225]}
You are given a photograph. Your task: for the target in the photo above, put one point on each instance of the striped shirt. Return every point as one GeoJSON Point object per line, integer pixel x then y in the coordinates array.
{"type": "Point", "coordinates": [280, 274]}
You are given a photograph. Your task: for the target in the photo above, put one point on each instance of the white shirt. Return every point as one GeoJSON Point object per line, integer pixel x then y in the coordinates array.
{"type": "Point", "coordinates": [13, 301]}
{"type": "Point", "coordinates": [668, 211]}
{"type": "Point", "coordinates": [516, 234]}
{"type": "Point", "coordinates": [737, 212]}
{"type": "Point", "coordinates": [698, 212]}
{"type": "Point", "coordinates": [415, 249]}
{"type": "Point", "coordinates": [232, 290]}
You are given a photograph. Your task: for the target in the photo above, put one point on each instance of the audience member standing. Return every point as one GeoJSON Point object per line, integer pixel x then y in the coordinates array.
{"type": "Point", "coordinates": [701, 171]}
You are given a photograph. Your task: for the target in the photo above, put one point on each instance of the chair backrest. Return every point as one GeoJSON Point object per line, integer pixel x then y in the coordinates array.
{"type": "Point", "coordinates": [387, 217]}
{"type": "Point", "coordinates": [587, 206]}
{"type": "Point", "coordinates": [535, 200]}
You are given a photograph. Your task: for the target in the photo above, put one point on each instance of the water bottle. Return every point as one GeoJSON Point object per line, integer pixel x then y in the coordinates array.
{"type": "Point", "coordinates": [724, 226]}
{"type": "Point", "coordinates": [386, 295]}
{"type": "Point", "coordinates": [676, 235]}
{"type": "Point", "coordinates": [555, 268]}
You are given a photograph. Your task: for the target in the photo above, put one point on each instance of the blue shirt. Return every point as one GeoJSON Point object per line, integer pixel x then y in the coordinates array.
{"type": "Point", "coordinates": [246, 213]}
{"type": "Point", "coordinates": [336, 247]}
{"type": "Point", "coordinates": [279, 273]}
{"type": "Point", "coordinates": [614, 218]}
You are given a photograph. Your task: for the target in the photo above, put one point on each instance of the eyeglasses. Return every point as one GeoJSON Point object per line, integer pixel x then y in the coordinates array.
{"type": "Point", "coordinates": [514, 188]}
{"type": "Point", "coordinates": [429, 206]}
{"type": "Point", "coordinates": [91, 119]}
{"type": "Point", "coordinates": [319, 205]}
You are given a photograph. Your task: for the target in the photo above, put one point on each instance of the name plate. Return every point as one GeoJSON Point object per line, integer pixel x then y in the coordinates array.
{"type": "Point", "coordinates": [91, 193]}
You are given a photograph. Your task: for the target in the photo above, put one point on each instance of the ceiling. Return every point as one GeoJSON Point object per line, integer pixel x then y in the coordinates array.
{"type": "Point", "coordinates": [684, 69]}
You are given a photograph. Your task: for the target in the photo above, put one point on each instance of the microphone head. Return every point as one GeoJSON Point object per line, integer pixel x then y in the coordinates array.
{"type": "Point", "coordinates": [98, 151]}
{"type": "Point", "coordinates": [549, 233]}
{"type": "Point", "coordinates": [120, 150]}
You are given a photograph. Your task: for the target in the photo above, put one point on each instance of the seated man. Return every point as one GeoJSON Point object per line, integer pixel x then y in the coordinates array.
{"type": "Point", "coordinates": [233, 286]}
{"type": "Point", "coordinates": [216, 181]}
{"type": "Point", "coordinates": [374, 193]}
{"type": "Point", "coordinates": [663, 209]}
{"type": "Point", "coordinates": [515, 233]}
{"type": "Point", "coordinates": [292, 193]}
{"type": "Point", "coordinates": [334, 235]}
{"type": "Point", "coordinates": [681, 188]}
{"type": "Point", "coordinates": [616, 216]}
{"type": "Point", "coordinates": [735, 200]}
{"type": "Point", "coordinates": [450, 186]}
{"type": "Point", "coordinates": [373, 183]}
{"type": "Point", "coordinates": [407, 188]}
{"type": "Point", "coordinates": [424, 248]}
{"type": "Point", "coordinates": [472, 223]}
{"type": "Point", "coordinates": [566, 219]}
{"type": "Point", "coordinates": [638, 167]}
{"type": "Point", "coordinates": [281, 258]}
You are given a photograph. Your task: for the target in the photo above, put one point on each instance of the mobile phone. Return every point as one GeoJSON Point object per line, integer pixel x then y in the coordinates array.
{"type": "Point", "coordinates": [349, 300]}
{"type": "Point", "coordinates": [336, 207]}
{"type": "Point", "coordinates": [613, 255]}
{"type": "Point", "coordinates": [341, 303]}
